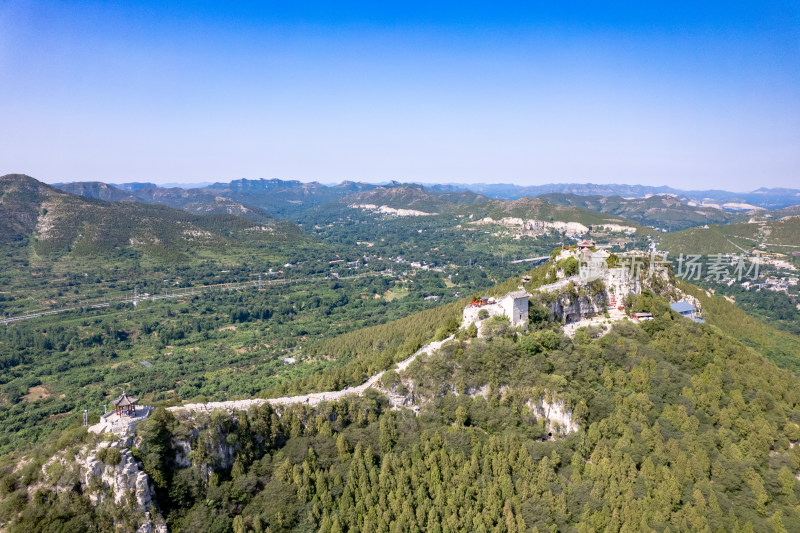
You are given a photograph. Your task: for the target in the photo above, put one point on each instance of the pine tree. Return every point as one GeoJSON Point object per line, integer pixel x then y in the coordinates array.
{"type": "Point", "coordinates": [343, 448]}
{"type": "Point", "coordinates": [238, 525]}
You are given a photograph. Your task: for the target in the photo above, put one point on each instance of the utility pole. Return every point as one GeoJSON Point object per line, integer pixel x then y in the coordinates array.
{"type": "Point", "coordinates": [85, 417]}
{"type": "Point", "coordinates": [259, 282]}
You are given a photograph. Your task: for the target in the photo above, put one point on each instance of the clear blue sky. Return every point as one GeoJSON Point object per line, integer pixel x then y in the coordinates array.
{"type": "Point", "coordinates": [688, 94]}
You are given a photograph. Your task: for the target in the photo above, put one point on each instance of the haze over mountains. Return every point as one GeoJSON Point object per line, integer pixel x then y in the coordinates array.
{"type": "Point", "coordinates": [664, 208]}
{"type": "Point", "coordinates": [762, 197]}
{"type": "Point", "coordinates": [768, 198]}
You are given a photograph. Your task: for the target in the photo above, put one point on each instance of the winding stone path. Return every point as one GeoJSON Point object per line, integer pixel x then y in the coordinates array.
{"type": "Point", "coordinates": [313, 398]}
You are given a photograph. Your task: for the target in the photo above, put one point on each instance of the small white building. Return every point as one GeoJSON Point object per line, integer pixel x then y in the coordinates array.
{"type": "Point", "coordinates": [513, 305]}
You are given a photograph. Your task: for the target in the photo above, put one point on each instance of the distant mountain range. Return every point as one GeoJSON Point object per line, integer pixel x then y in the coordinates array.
{"type": "Point", "coordinates": [259, 200]}
{"type": "Point", "coordinates": [318, 193]}
{"type": "Point", "coordinates": [283, 199]}
{"type": "Point", "coordinates": [58, 223]}
{"type": "Point", "coordinates": [539, 209]}
{"type": "Point", "coordinates": [659, 211]}
{"type": "Point", "coordinates": [477, 206]}
{"type": "Point", "coordinates": [270, 194]}
{"type": "Point", "coordinates": [198, 201]}
{"type": "Point", "coordinates": [410, 196]}
{"type": "Point", "coordinates": [763, 197]}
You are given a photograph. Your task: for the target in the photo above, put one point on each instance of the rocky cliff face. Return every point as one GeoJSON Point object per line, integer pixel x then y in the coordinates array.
{"type": "Point", "coordinates": [559, 418]}
{"type": "Point", "coordinates": [571, 309]}
{"type": "Point", "coordinates": [123, 482]}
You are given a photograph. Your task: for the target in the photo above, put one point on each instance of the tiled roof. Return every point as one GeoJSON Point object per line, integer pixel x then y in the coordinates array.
{"type": "Point", "coordinates": [124, 400]}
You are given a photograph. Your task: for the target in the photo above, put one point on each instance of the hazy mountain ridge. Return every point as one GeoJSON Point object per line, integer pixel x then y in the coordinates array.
{"type": "Point", "coordinates": [478, 206]}
{"type": "Point", "coordinates": [196, 201]}
{"type": "Point", "coordinates": [405, 196]}
{"type": "Point", "coordinates": [63, 223]}
{"type": "Point", "coordinates": [283, 198]}
{"type": "Point", "coordinates": [99, 190]}
{"type": "Point", "coordinates": [135, 185]}
{"type": "Point", "coordinates": [539, 209]}
{"type": "Point", "coordinates": [785, 212]}
{"type": "Point", "coordinates": [201, 202]}
{"type": "Point", "coordinates": [767, 198]}
{"type": "Point", "coordinates": [661, 211]}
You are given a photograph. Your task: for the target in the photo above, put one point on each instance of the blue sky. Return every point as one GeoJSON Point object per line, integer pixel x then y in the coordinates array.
{"type": "Point", "coordinates": [680, 94]}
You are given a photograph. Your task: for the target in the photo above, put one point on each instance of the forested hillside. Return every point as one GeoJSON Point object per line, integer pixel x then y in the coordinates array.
{"type": "Point", "coordinates": [58, 223]}
{"type": "Point", "coordinates": [681, 428]}
{"type": "Point", "coordinates": [781, 347]}
{"type": "Point", "coordinates": [413, 197]}
{"type": "Point", "coordinates": [667, 425]}
{"type": "Point", "coordinates": [779, 236]}
{"type": "Point", "coordinates": [197, 201]}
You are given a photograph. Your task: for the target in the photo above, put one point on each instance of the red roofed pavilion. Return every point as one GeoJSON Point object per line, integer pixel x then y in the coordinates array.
{"type": "Point", "coordinates": [125, 405]}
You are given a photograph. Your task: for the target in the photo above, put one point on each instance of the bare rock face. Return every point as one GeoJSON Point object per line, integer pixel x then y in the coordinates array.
{"type": "Point", "coordinates": [573, 309]}
{"type": "Point", "coordinates": [559, 418]}
{"type": "Point", "coordinates": [183, 449]}
{"type": "Point", "coordinates": [124, 482]}
{"type": "Point", "coordinates": [119, 479]}
{"type": "Point", "coordinates": [401, 396]}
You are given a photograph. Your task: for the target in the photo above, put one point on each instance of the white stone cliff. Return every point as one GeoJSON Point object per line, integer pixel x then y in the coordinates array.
{"type": "Point", "coordinates": [124, 482]}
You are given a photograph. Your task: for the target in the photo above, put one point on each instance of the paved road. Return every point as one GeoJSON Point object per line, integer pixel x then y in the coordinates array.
{"type": "Point", "coordinates": [313, 398]}
{"type": "Point", "coordinates": [9, 320]}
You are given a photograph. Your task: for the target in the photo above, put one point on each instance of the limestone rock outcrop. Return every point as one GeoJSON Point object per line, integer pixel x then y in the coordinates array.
{"type": "Point", "coordinates": [125, 482]}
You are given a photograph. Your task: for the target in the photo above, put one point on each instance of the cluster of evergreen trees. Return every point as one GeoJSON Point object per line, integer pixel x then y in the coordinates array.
{"type": "Point", "coordinates": [681, 429]}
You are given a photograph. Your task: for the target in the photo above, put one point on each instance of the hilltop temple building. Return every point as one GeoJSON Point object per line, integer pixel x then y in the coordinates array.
{"type": "Point", "coordinates": [125, 405]}
{"type": "Point", "coordinates": [513, 305]}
